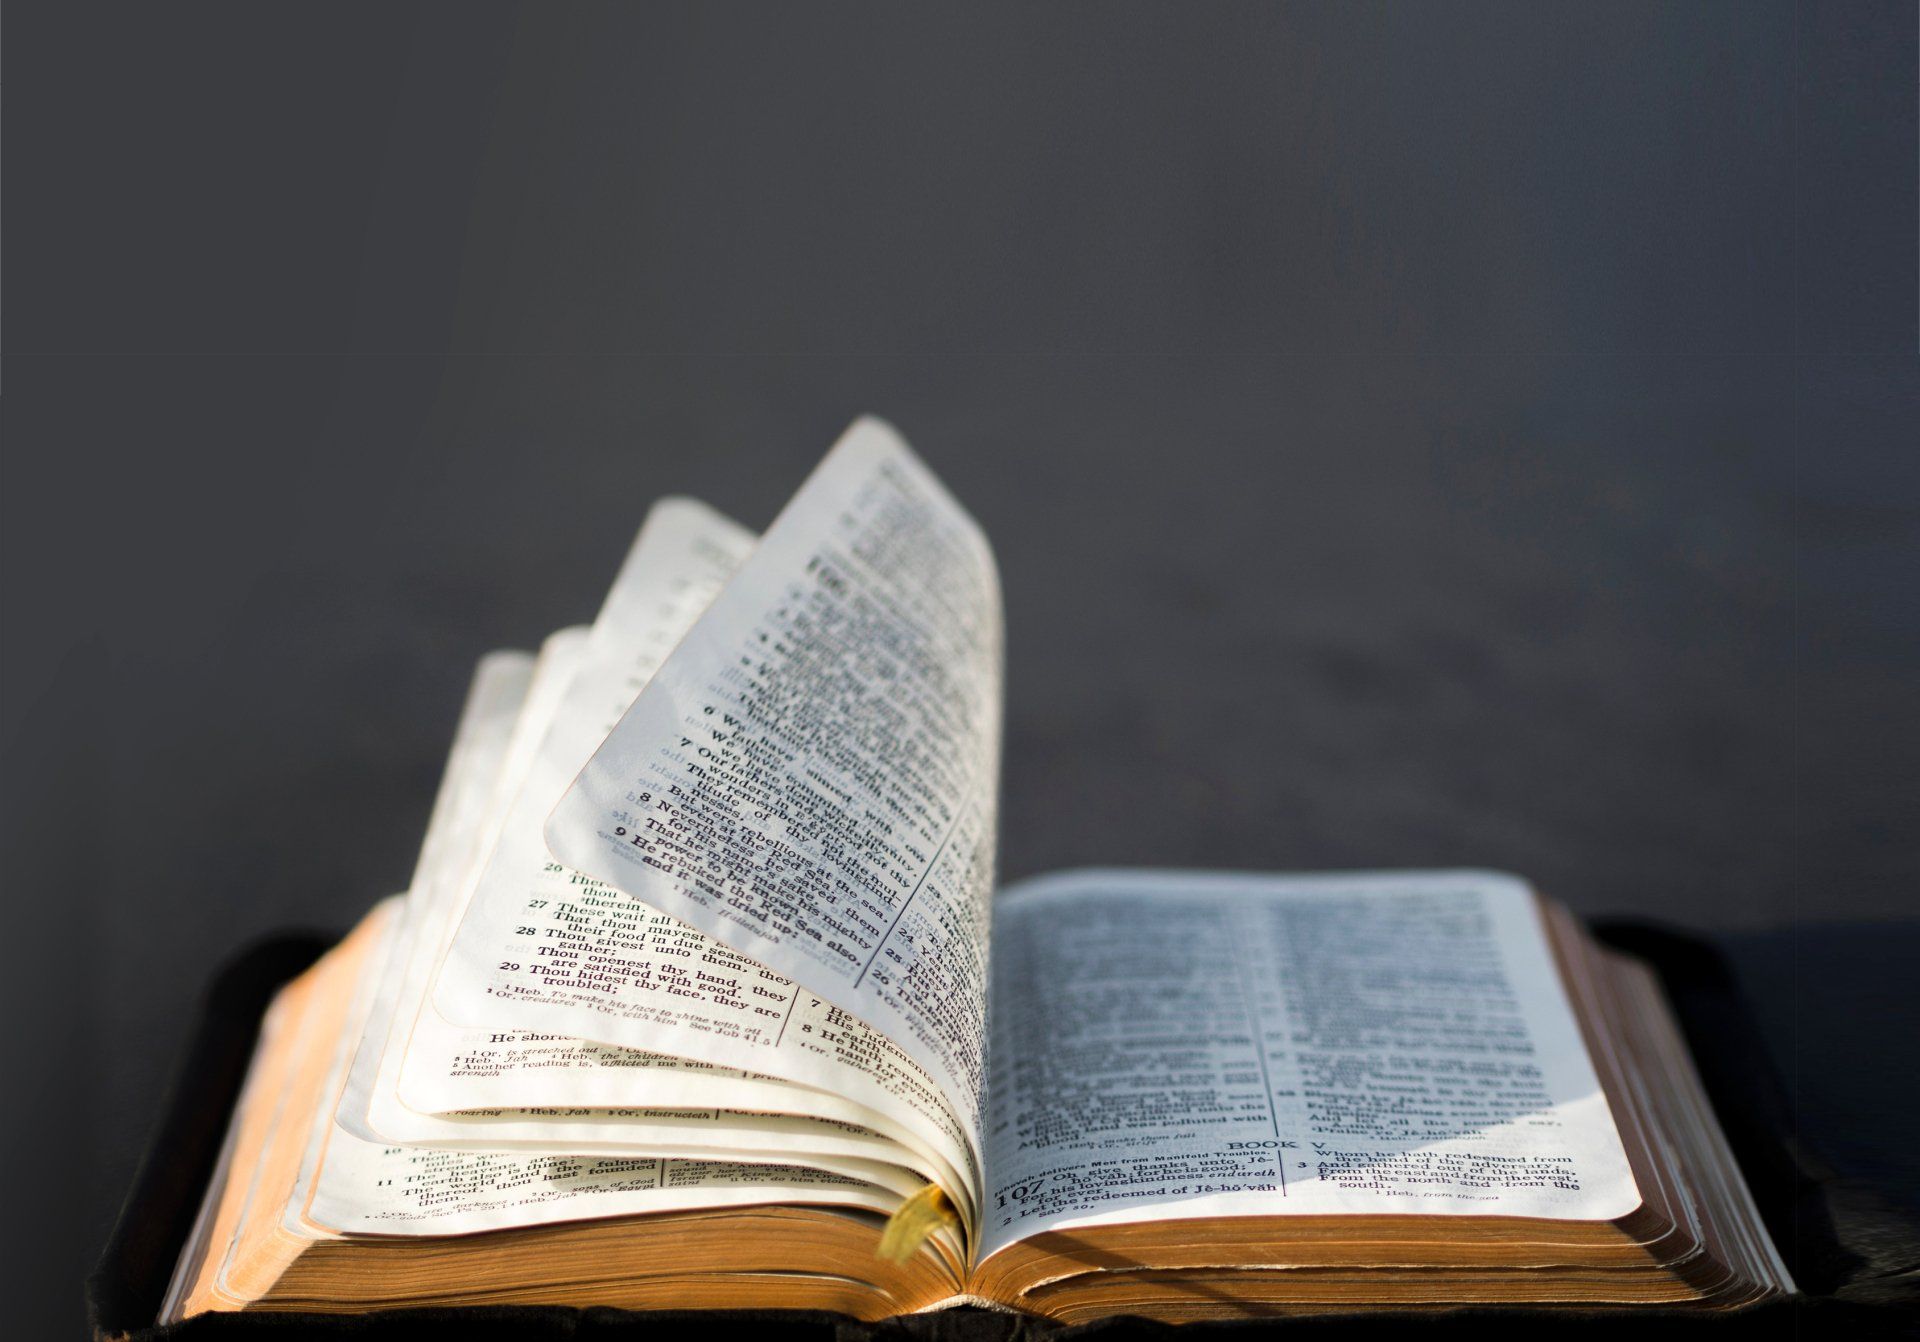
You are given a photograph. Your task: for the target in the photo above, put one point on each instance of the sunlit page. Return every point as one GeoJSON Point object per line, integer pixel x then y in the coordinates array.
{"type": "Point", "coordinates": [1175, 1044]}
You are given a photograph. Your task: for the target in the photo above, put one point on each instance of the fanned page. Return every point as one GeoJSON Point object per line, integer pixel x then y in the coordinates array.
{"type": "Point", "coordinates": [811, 779]}
{"type": "Point", "coordinates": [349, 1185]}
{"type": "Point", "coordinates": [499, 1027]}
{"type": "Point", "coordinates": [683, 556]}
{"type": "Point", "coordinates": [1173, 1045]}
{"type": "Point", "coordinates": [421, 1080]}
{"type": "Point", "coordinates": [493, 749]}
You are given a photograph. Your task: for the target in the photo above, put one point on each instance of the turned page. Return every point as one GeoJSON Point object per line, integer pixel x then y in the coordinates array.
{"type": "Point", "coordinates": [347, 1184]}
{"type": "Point", "coordinates": [811, 777]}
{"type": "Point", "coordinates": [493, 743]}
{"type": "Point", "coordinates": [1170, 1045]}
{"type": "Point", "coordinates": [721, 1033]}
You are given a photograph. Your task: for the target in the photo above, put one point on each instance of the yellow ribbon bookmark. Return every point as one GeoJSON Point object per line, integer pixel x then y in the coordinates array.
{"type": "Point", "coordinates": [913, 1225]}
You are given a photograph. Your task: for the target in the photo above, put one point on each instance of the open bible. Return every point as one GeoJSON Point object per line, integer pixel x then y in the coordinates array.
{"type": "Point", "coordinates": [702, 995]}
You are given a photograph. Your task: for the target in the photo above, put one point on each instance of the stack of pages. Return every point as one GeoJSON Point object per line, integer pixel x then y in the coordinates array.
{"type": "Point", "coordinates": [702, 996]}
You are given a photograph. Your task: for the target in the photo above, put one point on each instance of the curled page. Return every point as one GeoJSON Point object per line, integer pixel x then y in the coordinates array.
{"type": "Point", "coordinates": [812, 776]}
{"type": "Point", "coordinates": [347, 1184]}
{"type": "Point", "coordinates": [522, 1011]}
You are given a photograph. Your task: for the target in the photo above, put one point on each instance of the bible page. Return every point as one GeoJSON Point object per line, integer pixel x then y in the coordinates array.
{"type": "Point", "coordinates": [346, 1184]}
{"type": "Point", "coordinates": [468, 1080]}
{"type": "Point", "coordinates": [811, 777]}
{"type": "Point", "coordinates": [1172, 1044]}
{"type": "Point", "coordinates": [482, 1075]}
{"type": "Point", "coordinates": [709, 1034]}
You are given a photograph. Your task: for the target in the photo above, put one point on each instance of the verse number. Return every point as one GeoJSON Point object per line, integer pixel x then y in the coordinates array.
{"type": "Point", "coordinates": [509, 964]}
{"type": "Point", "coordinates": [1019, 1192]}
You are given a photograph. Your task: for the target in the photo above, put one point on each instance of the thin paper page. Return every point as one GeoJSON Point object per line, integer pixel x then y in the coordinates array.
{"type": "Point", "coordinates": [1172, 1045]}
{"type": "Point", "coordinates": [812, 776]}
{"type": "Point", "coordinates": [683, 556]}
{"type": "Point", "coordinates": [407, 1191]}
{"type": "Point", "coordinates": [705, 1134]}
{"type": "Point", "coordinates": [347, 1184]}
{"type": "Point", "coordinates": [539, 944]}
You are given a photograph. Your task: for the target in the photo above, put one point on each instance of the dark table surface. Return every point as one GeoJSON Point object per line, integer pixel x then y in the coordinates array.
{"type": "Point", "coordinates": [1413, 435]}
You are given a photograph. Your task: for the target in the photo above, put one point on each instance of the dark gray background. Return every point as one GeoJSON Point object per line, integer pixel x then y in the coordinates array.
{"type": "Point", "coordinates": [1413, 434]}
